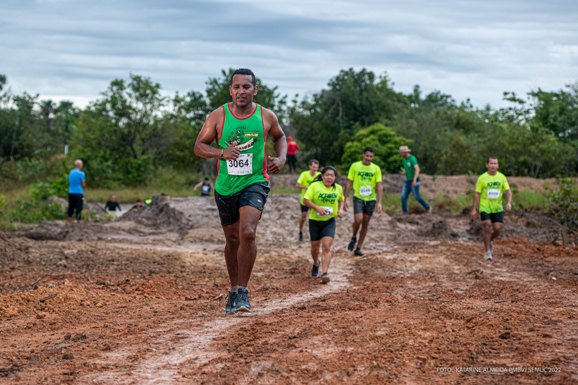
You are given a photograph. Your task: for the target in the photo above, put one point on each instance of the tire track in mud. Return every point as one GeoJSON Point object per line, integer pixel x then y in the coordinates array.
{"type": "Point", "coordinates": [191, 341]}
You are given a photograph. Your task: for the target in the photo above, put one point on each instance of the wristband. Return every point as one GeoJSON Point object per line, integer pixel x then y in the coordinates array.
{"type": "Point", "coordinates": [222, 153]}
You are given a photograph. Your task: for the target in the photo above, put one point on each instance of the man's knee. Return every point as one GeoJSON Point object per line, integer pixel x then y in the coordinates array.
{"type": "Point", "coordinates": [248, 233]}
{"type": "Point", "coordinates": [497, 228]}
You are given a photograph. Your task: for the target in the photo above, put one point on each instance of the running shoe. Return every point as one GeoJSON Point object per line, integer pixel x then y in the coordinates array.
{"type": "Point", "coordinates": [351, 244]}
{"type": "Point", "coordinates": [301, 236]}
{"type": "Point", "coordinates": [358, 253]}
{"type": "Point", "coordinates": [231, 299]}
{"type": "Point", "coordinates": [488, 256]}
{"type": "Point", "coordinates": [242, 303]}
{"type": "Point", "coordinates": [315, 271]}
{"type": "Point", "coordinates": [325, 278]}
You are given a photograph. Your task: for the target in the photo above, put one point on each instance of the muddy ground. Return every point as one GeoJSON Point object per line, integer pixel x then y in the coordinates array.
{"type": "Point", "coordinates": [140, 300]}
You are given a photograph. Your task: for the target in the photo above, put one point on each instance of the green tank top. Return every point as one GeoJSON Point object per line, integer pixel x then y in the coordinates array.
{"type": "Point", "coordinates": [249, 136]}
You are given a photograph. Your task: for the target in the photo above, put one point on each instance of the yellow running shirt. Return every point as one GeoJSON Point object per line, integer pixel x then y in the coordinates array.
{"type": "Point", "coordinates": [306, 179]}
{"type": "Point", "coordinates": [364, 180]}
{"type": "Point", "coordinates": [491, 189]}
{"type": "Point", "coordinates": [326, 197]}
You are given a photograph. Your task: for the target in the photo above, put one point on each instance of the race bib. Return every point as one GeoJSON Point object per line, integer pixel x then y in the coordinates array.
{"type": "Point", "coordinates": [365, 191]}
{"type": "Point", "coordinates": [328, 209]}
{"type": "Point", "coordinates": [493, 193]}
{"type": "Point", "coordinates": [243, 165]}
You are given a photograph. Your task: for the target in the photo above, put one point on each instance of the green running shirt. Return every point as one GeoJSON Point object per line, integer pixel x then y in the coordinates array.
{"type": "Point", "coordinates": [251, 167]}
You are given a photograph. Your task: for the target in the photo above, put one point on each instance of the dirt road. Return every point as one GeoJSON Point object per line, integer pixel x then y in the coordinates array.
{"type": "Point", "coordinates": [141, 301]}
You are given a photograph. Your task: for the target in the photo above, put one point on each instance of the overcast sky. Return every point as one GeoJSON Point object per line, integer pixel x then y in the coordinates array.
{"type": "Point", "coordinates": [72, 49]}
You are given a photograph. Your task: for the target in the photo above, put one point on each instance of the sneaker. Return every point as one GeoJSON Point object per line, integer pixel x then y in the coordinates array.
{"type": "Point", "coordinates": [315, 271]}
{"type": "Point", "coordinates": [242, 303]}
{"type": "Point", "coordinates": [429, 211]}
{"type": "Point", "coordinates": [358, 253]}
{"type": "Point", "coordinates": [325, 278]}
{"type": "Point", "coordinates": [351, 244]}
{"type": "Point", "coordinates": [301, 236]}
{"type": "Point", "coordinates": [231, 299]}
{"type": "Point", "coordinates": [488, 256]}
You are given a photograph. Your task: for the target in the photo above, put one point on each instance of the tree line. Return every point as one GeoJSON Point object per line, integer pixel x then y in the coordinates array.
{"type": "Point", "coordinates": [133, 129]}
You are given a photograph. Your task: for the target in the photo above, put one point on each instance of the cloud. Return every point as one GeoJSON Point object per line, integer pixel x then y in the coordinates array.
{"type": "Point", "coordinates": [475, 50]}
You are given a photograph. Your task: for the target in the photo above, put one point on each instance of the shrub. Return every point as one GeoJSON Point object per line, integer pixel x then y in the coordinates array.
{"type": "Point", "coordinates": [563, 203]}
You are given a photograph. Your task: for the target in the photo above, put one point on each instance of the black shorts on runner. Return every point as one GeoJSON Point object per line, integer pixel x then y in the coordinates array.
{"type": "Point", "coordinates": [304, 208]}
{"type": "Point", "coordinates": [75, 204]}
{"type": "Point", "coordinates": [321, 229]}
{"type": "Point", "coordinates": [363, 207]}
{"type": "Point", "coordinates": [494, 217]}
{"type": "Point", "coordinates": [254, 195]}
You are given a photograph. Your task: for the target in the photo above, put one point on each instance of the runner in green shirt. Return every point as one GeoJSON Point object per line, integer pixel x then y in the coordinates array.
{"type": "Point", "coordinates": [365, 177]}
{"type": "Point", "coordinates": [325, 199]}
{"type": "Point", "coordinates": [305, 179]}
{"type": "Point", "coordinates": [240, 129]}
{"type": "Point", "coordinates": [491, 187]}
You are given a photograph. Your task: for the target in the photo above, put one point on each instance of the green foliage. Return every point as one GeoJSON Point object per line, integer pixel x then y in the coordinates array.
{"type": "Point", "coordinates": [564, 202]}
{"type": "Point", "coordinates": [327, 122]}
{"type": "Point", "coordinates": [41, 191]}
{"type": "Point", "coordinates": [383, 141]}
{"type": "Point", "coordinates": [25, 211]}
{"type": "Point", "coordinates": [134, 129]}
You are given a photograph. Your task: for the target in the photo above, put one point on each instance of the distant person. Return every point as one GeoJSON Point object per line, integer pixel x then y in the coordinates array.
{"type": "Point", "coordinates": [76, 185]}
{"type": "Point", "coordinates": [412, 180]}
{"type": "Point", "coordinates": [138, 205]}
{"type": "Point", "coordinates": [292, 148]}
{"type": "Point", "coordinates": [325, 199]}
{"type": "Point", "coordinates": [365, 178]}
{"type": "Point", "coordinates": [240, 129]}
{"type": "Point", "coordinates": [305, 179]}
{"type": "Point", "coordinates": [206, 187]}
{"type": "Point", "coordinates": [491, 187]}
{"type": "Point", "coordinates": [113, 206]}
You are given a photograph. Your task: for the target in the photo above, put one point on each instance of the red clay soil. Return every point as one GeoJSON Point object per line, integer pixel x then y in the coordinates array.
{"type": "Point", "coordinates": [140, 300]}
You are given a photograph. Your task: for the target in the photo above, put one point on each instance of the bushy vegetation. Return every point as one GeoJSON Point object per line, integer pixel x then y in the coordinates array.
{"type": "Point", "coordinates": [134, 135]}
{"type": "Point", "coordinates": [563, 203]}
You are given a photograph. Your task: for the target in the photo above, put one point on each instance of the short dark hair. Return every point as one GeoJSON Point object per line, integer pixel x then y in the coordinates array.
{"type": "Point", "coordinates": [313, 161]}
{"type": "Point", "coordinates": [491, 157]}
{"type": "Point", "coordinates": [244, 71]}
{"type": "Point", "coordinates": [368, 149]}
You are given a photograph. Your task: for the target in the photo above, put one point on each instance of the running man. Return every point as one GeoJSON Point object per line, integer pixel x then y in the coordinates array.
{"type": "Point", "coordinates": [305, 179]}
{"type": "Point", "coordinates": [325, 199]}
{"type": "Point", "coordinates": [365, 177]}
{"type": "Point", "coordinates": [491, 187]}
{"type": "Point", "coordinates": [412, 182]}
{"type": "Point", "coordinates": [76, 185]}
{"type": "Point", "coordinates": [240, 129]}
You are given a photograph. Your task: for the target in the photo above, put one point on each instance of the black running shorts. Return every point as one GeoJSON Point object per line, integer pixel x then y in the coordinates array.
{"type": "Point", "coordinates": [321, 229]}
{"type": "Point", "coordinates": [363, 207]}
{"type": "Point", "coordinates": [254, 195]}
{"type": "Point", "coordinates": [494, 217]}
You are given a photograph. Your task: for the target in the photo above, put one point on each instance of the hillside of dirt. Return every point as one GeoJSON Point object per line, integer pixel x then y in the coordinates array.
{"type": "Point", "coordinates": [140, 300]}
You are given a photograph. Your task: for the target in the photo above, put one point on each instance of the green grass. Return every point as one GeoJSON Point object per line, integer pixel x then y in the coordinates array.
{"type": "Point", "coordinates": [529, 200]}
